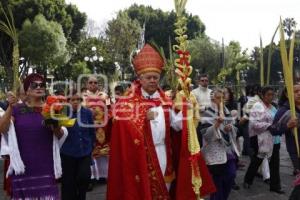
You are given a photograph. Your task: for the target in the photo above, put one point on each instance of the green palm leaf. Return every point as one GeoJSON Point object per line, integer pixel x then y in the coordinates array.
{"type": "Point", "coordinates": [8, 27]}
{"type": "Point", "coordinates": [261, 63]}
{"type": "Point", "coordinates": [270, 56]}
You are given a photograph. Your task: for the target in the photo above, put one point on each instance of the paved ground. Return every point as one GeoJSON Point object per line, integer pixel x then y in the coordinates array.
{"type": "Point", "coordinates": [259, 190]}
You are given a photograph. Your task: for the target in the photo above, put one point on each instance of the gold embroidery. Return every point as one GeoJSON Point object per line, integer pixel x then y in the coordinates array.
{"type": "Point", "coordinates": [137, 178]}
{"type": "Point", "coordinates": [170, 178]}
{"type": "Point", "coordinates": [100, 135]}
{"type": "Point", "coordinates": [158, 187]}
{"type": "Point", "coordinates": [137, 142]}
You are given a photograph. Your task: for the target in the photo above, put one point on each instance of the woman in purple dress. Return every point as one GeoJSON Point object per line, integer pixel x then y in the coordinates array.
{"type": "Point", "coordinates": [35, 145]}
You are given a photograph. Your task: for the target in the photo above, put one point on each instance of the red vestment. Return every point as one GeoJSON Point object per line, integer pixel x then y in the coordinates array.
{"type": "Point", "coordinates": [134, 170]}
{"type": "Point", "coordinates": [183, 188]}
{"type": "Point", "coordinates": [96, 102]}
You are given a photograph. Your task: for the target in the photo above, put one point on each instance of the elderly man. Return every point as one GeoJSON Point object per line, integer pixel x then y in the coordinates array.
{"type": "Point", "coordinates": [140, 164]}
{"type": "Point", "coordinates": [203, 96]}
{"type": "Point", "coordinates": [96, 100]}
{"type": "Point", "coordinates": [203, 93]}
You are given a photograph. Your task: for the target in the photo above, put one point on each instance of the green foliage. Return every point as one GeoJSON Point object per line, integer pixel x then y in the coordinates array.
{"type": "Point", "coordinates": [79, 21]}
{"type": "Point", "coordinates": [289, 25]}
{"type": "Point", "coordinates": [8, 27]}
{"type": "Point", "coordinates": [68, 16]}
{"type": "Point", "coordinates": [160, 24]}
{"type": "Point", "coordinates": [122, 35]}
{"type": "Point", "coordinates": [236, 60]}
{"type": "Point", "coordinates": [205, 55]}
{"type": "Point", "coordinates": [43, 43]}
{"type": "Point", "coordinates": [270, 52]}
{"type": "Point", "coordinates": [84, 49]}
{"type": "Point", "coordinates": [79, 68]}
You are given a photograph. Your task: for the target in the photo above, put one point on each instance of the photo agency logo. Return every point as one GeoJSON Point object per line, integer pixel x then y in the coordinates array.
{"type": "Point", "coordinates": [112, 104]}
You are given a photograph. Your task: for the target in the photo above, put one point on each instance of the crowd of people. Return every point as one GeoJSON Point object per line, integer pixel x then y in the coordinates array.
{"type": "Point", "coordinates": [131, 140]}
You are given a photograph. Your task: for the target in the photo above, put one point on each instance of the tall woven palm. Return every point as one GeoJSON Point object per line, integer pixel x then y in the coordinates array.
{"type": "Point", "coordinates": [8, 27]}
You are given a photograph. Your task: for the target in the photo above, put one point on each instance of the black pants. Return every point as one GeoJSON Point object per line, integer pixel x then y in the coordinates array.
{"type": "Point", "coordinates": [295, 195]}
{"type": "Point", "coordinates": [246, 144]}
{"type": "Point", "coordinates": [75, 178]}
{"type": "Point", "coordinates": [256, 162]}
{"type": "Point", "coordinates": [274, 168]}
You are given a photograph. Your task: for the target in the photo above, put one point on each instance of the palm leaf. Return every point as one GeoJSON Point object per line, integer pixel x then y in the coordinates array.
{"type": "Point", "coordinates": [270, 56]}
{"type": "Point", "coordinates": [180, 6]}
{"type": "Point", "coordinates": [8, 27]}
{"type": "Point", "coordinates": [288, 78]}
{"type": "Point", "coordinates": [261, 63]}
{"type": "Point", "coordinates": [9, 24]}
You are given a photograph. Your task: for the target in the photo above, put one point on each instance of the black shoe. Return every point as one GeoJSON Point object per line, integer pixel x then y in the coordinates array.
{"type": "Point", "coordinates": [278, 191]}
{"type": "Point", "coordinates": [102, 181]}
{"type": "Point", "coordinates": [295, 172]}
{"type": "Point", "coordinates": [246, 186]}
{"type": "Point", "coordinates": [258, 175]}
{"type": "Point", "coordinates": [91, 187]}
{"type": "Point", "coordinates": [267, 181]}
{"type": "Point", "coordinates": [235, 187]}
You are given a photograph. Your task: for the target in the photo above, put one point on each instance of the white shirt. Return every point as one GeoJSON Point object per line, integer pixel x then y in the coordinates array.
{"type": "Point", "coordinates": [203, 97]}
{"type": "Point", "coordinates": [158, 129]}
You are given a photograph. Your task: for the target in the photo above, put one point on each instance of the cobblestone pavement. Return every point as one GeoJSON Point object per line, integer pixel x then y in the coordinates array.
{"type": "Point", "coordinates": [258, 191]}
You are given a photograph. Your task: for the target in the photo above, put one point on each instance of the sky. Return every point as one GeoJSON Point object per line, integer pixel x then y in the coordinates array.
{"type": "Point", "coordinates": [240, 20]}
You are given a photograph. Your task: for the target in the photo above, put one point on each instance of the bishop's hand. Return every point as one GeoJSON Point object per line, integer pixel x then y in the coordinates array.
{"type": "Point", "coordinates": [151, 115]}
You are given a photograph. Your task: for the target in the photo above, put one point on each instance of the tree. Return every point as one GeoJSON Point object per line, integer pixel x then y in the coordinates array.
{"type": "Point", "coordinates": [83, 49]}
{"type": "Point", "coordinates": [122, 36]}
{"type": "Point", "coordinates": [206, 55]}
{"type": "Point", "coordinates": [276, 64]}
{"type": "Point", "coordinates": [43, 43]}
{"type": "Point", "coordinates": [68, 16]}
{"type": "Point", "coordinates": [79, 21]}
{"type": "Point", "coordinates": [160, 24]}
{"type": "Point", "coordinates": [79, 68]}
{"type": "Point", "coordinates": [8, 27]}
{"type": "Point", "coordinates": [289, 25]}
{"type": "Point", "coordinates": [236, 61]}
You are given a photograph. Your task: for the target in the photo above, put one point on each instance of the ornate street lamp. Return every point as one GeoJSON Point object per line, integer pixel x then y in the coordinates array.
{"type": "Point", "coordinates": [94, 58]}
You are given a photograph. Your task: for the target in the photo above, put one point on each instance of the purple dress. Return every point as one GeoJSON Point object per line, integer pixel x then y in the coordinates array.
{"type": "Point", "coordinates": [35, 146]}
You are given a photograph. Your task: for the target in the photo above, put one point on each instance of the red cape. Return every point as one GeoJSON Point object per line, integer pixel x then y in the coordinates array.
{"type": "Point", "coordinates": [182, 164]}
{"type": "Point", "coordinates": [134, 171]}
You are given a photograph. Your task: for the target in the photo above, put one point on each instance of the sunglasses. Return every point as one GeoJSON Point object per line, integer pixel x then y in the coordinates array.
{"type": "Point", "coordinates": [35, 85]}
{"type": "Point", "coordinates": [93, 82]}
{"type": "Point", "coordinates": [75, 99]}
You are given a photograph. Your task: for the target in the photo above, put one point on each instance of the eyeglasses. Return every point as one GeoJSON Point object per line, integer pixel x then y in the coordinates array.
{"type": "Point", "coordinates": [93, 82]}
{"type": "Point", "coordinates": [76, 99]}
{"type": "Point", "coordinates": [35, 85]}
